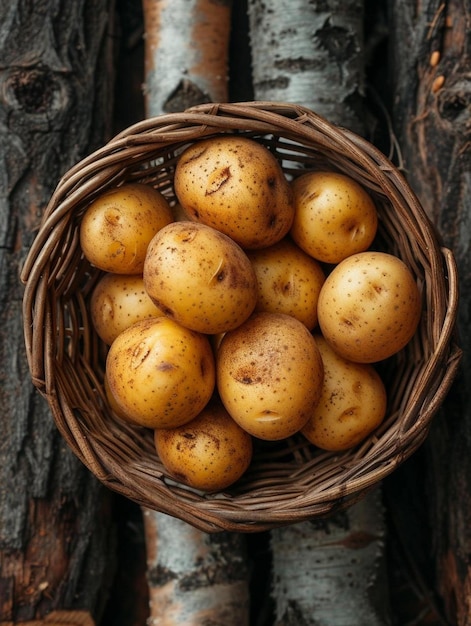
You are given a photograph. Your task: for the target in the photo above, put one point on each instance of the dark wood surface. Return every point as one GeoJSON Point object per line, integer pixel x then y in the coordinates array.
{"type": "Point", "coordinates": [430, 108]}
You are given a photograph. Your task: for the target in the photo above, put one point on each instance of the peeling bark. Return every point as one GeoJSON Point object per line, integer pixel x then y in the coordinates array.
{"type": "Point", "coordinates": [310, 53]}
{"type": "Point", "coordinates": [187, 48]}
{"type": "Point", "coordinates": [195, 578]}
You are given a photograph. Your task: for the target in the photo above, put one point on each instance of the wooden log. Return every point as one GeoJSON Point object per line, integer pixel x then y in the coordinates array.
{"type": "Point", "coordinates": [55, 534]}
{"type": "Point", "coordinates": [330, 572]}
{"type": "Point", "coordinates": [187, 48]}
{"type": "Point", "coordinates": [194, 578]}
{"type": "Point", "coordinates": [431, 96]}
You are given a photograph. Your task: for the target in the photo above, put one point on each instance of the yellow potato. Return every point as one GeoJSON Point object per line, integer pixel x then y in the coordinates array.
{"type": "Point", "coordinates": [237, 186]}
{"type": "Point", "coordinates": [161, 375]}
{"type": "Point", "coordinates": [289, 281]}
{"type": "Point", "coordinates": [117, 302]}
{"type": "Point", "coordinates": [334, 216]}
{"type": "Point", "coordinates": [200, 277]}
{"type": "Point", "coordinates": [117, 227]}
{"type": "Point", "coordinates": [369, 307]}
{"type": "Point", "coordinates": [209, 453]}
{"type": "Point", "coordinates": [352, 404]}
{"type": "Point", "coordinates": [269, 375]}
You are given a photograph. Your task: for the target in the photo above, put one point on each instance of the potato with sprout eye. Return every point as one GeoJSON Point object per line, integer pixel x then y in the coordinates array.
{"type": "Point", "coordinates": [269, 375]}
{"type": "Point", "coordinates": [209, 453]}
{"type": "Point", "coordinates": [117, 302]}
{"type": "Point", "coordinates": [236, 185]}
{"type": "Point", "coordinates": [352, 404]}
{"type": "Point", "coordinates": [289, 281]}
{"type": "Point", "coordinates": [200, 277]}
{"type": "Point", "coordinates": [117, 227]}
{"type": "Point", "coordinates": [334, 217]}
{"type": "Point", "coordinates": [160, 374]}
{"type": "Point", "coordinates": [369, 306]}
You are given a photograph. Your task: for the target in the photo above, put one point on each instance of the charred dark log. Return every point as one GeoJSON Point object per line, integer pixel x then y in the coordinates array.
{"type": "Point", "coordinates": [55, 539]}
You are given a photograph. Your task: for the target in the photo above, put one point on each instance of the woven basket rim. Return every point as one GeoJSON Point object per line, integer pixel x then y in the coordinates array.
{"type": "Point", "coordinates": [272, 498]}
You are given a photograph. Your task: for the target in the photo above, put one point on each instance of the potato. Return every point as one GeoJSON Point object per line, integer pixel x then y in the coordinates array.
{"type": "Point", "coordinates": [160, 373]}
{"type": "Point", "coordinates": [237, 186]}
{"type": "Point", "coordinates": [369, 307]}
{"type": "Point", "coordinates": [269, 375]}
{"type": "Point", "coordinates": [113, 405]}
{"type": "Point", "coordinates": [209, 453]}
{"type": "Point", "coordinates": [117, 302]}
{"type": "Point", "coordinates": [289, 281]}
{"type": "Point", "coordinates": [117, 227]}
{"type": "Point", "coordinates": [200, 277]}
{"type": "Point", "coordinates": [334, 216]}
{"type": "Point", "coordinates": [352, 404]}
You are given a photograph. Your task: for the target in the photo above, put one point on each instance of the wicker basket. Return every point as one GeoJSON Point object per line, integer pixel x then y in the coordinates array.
{"type": "Point", "coordinates": [288, 481]}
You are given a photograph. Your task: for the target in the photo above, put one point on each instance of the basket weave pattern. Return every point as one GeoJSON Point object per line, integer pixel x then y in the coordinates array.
{"type": "Point", "coordinates": [288, 481]}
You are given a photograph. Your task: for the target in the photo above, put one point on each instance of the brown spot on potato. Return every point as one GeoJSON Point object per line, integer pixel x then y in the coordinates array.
{"type": "Point", "coordinates": [247, 376]}
{"type": "Point", "coordinates": [139, 355]}
{"type": "Point", "coordinates": [180, 477]}
{"type": "Point", "coordinates": [217, 180]}
{"type": "Point", "coordinates": [165, 367]}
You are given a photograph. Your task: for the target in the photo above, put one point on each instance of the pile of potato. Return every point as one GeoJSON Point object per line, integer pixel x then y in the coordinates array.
{"type": "Point", "coordinates": [255, 308]}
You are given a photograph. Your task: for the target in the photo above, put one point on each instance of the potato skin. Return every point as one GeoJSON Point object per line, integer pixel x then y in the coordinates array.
{"type": "Point", "coordinates": [334, 218]}
{"type": "Point", "coordinates": [353, 402]}
{"type": "Point", "coordinates": [200, 277]}
{"type": "Point", "coordinates": [269, 375]}
{"type": "Point", "coordinates": [112, 404]}
{"type": "Point", "coordinates": [289, 281]}
{"type": "Point", "coordinates": [117, 302]}
{"type": "Point", "coordinates": [369, 307]}
{"type": "Point", "coordinates": [118, 225]}
{"type": "Point", "coordinates": [237, 186]}
{"type": "Point", "coordinates": [161, 375]}
{"type": "Point", "coordinates": [209, 453]}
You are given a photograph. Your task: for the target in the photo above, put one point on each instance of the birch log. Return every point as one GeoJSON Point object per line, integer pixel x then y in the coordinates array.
{"type": "Point", "coordinates": [431, 91]}
{"type": "Point", "coordinates": [55, 532]}
{"type": "Point", "coordinates": [194, 578]}
{"type": "Point", "coordinates": [187, 48]}
{"type": "Point", "coordinates": [310, 53]}
{"type": "Point", "coordinates": [331, 573]}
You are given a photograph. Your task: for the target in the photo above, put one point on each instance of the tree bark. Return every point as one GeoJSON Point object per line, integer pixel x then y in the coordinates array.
{"type": "Point", "coordinates": [187, 47]}
{"type": "Point", "coordinates": [431, 97]}
{"type": "Point", "coordinates": [55, 539]}
{"type": "Point", "coordinates": [313, 54]}
{"type": "Point", "coordinates": [332, 571]}
{"type": "Point", "coordinates": [195, 578]}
